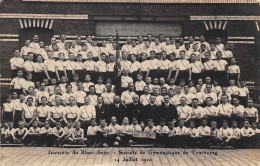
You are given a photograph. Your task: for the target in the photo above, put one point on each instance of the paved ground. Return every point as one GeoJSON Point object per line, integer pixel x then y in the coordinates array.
{"type": "Point", "coordinates": [12, 156]}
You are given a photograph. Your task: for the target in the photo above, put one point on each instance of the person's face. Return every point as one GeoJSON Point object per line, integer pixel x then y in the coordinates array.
{"type": "Point", "coordinates": [71, 100]}
{"type": "Point", "coordinates": [57, 90]}
{"type": "Point", "coordinates": [61, 56]}
{"type": "Point", "coordinates": [195, 103]}
{"type": "Point", "coordinates": [29, 101]}
{"type": "Point", "coordinates": [212, 47]}
{"type": "Point", "coordinates": [254, 126]}
{"type": "Point", "coordinates": [218, 40]}
{"type": "Point", "coordinates": [191, 39]}
{"type": "Point", "coordinates": [10, 125]}
{"type": "Point", "coordinates": [86, 100]}
{"type": "Point", "coordinates": [140, 39]}
{"type": "Point", "coordinates": [94, 43]}
{"type": "Point", "coordinates": [161, 38]}
{"type": "Point", "coordinates": [181, 123]}
{"type": "Point", "coordinates": [167, 41]}
{"type": "Point", "coordinates": [163, 55]}
{"type": "Point", "coordinates": [42, 87]}
{"type": "Point", "coordinates": [27, 42]}
{"type": "Point", "coordinates": [193, 58]}
{"type": "Point", "coordinates": [152, 99]}
{"type": "Point", "coordinates": [53, 81]}
{"type": "Point", "coordinates": [146, 90]}
{"type": "Point", "coordinates": [219, 55]}
{"type": "Point", "coordinates": [78, 40]}
{"type": "Point", "coordinates": [234, 124]}
{"type": "Point", "coordinates": [103, 57]}
{"type": "Point", "coordinates": [9, 99]}
{"type": "Point", "coordinates": [198, 88]}
{"type": "Point", "coordinates": [150, 124]}
{"type": "Point", "coordinates": [225, 125]}
{"type": "Point", "coordinates": [246, 124]}
{"type": "Point", "coordinates": [41, 44]}
{"type": "Point", "coordinates": [208, 88]}
{"type": "Point", "coordinates": [157, 41]}
{"type": "Point", "coordinates": [149, 37]}
{"type": "Point", "coordinates": [29, 77]}
{"type": "Point", "coordinates": [164, 91]}
{"type": "Point", "coordinates": [53, 40]}
{"type": "Point", "coordinates": [39, 58]}
{"type": "Point", "coordinates": [202, 38]}
{"type": "Point", "coordinates": [15, 95]}
{"type": "Point", "coordinates": [182, 55]}
{"type": "Point", "coordinates": [186, 89]}
{"type": "Point", "coordinates": [104, 43]}
{"type": "Point", "coordinates": [21, 125]}
{"type": "Point", "coordinates": [117, 100]}
{"type": "Point", "coordinates": [224, 99]}
{"type": "Point", "coordinates": [183, 101]}
{"type": "Point", "coordinates": [133, 43]}
{"type": "Point", "coordinates": [195, 47]}
{"type": "Point", "coordinates": [30, 57]}
{"type": "Point", "coordinates": [172, 40]}
{"type": "Point", "coordinates": [213, 126]}
{"type": "Point", "coordinates": [44, 101]}
{"type": "Point", "coordinates": [166, 99]}
{"type": "Point", "coordinates": [133, 58]}
{"type": "Point", "coordinates": [47, 125]}
{"type": "Point", "coordinates": [148, 80]}
{"type": "Point", "coordinates": [155, 81]}
{"type": "Point", "coordinates": [100, 80]}
{"type": "Point", "coordinates": [89, 39]}
{"type": "Point", "coordinates": [171, 92]}
{"type": "Point", "coordinates": [110, 39]}
{"type": "Point", "coordinates": [92, 90]}
{"type": "Point", "coordinates": [135, 121]}
{"type": "Point", "coordinates": [139, 77]}
{"type": "Point", "coordinates": [143, 56]}
{"type": "Point", "coordinates": [129, 40]}
{"type": "Point", "coordinates": [203, 48]}
{"type": "Point", "coordinates": [100, 100]}
{"type": "Point", "coordinates": [204, 123]}
{"type": "Point", "coordinates": [162, 81]}
{"type": "Point", "coordinates": [181, 40]}
{"type": "Point", "coordinates": [113, 120]}
{"type": "Point", "coordinates": [35, 38]}
{"type": "Point", "coordinates": [208, 80]}
{"type": "Point", "coordinates": [90, 55]}
{"type": "Point", "coordinates": [114, 45]}
{"type": "Point", "coordinates": [87, 78]}
{"type": "Point", "coordinates": [162, 123]}
{"type": "Point", "coordinates": [250, 103]}
{"type": "Point", "coordinates": [131, 86]}
{"type": "Point", "coordinates": [125, 121]}
{"type": "Point", "coordinates": [209, 102]}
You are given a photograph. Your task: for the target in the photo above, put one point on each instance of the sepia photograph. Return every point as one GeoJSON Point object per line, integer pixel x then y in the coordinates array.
{"type": "Point", "coordinates": [129, 82]}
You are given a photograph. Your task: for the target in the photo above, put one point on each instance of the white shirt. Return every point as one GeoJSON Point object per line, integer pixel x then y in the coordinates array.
{"type": "Point", "coordinates": [164, 64]}
{"type": "Point", "coordinates": [93, 100]}
{"type": "Point", "coordinates": [225, 132]}
{"type": "Point", "coordinates": [80, 96]}
{"type": "Point", "coordinates": [227, 54]}
{"type": "Point", "coordinates": [233, 90]}
{"type": "Point", "coordinates": [251, 112]}
{"type": "Point", "coordinates": [28, 111]}
{"type": "Point", "coordinates": [135, 66]}
{"type": "Point", "coordinates": [127, 97]}
{"type": "Point", "coordinates": [243, 91]}
{"type": "Point", "coordinates": [182, 64]}
{"type": "Point", "coordinates": [153, 64]}
{"type": "Point", "coordinates": [16, 62]}
{"type": "Point", "coordinates": [196, 67]}
{"type": "Point", "coordinates": [181, 131]}
{"type": "Point", "coordinates": [18, 83]}
{"type": "Point", "coordinates": [210, 111]}
{"type": "Point", "coordinates": [39, 95]}
{"type": "Point", "coordinates": [108, 97]}
{"type": "Point", "coordinates": [50, 65]}
{"type": "Point", "coordinates": [203, 130]}
{"type": "Point", "coordinates": [226, 108]}
{"type": "Point", "coordinates": [88, 112]}
{"type": "Point", "coordinates": [28, 66]}
{"type": "Point", "coordinates": [145, 99]}
{"type": "Point", "coordinates": [101, 66]}
{"type": "Point", "coordinates": [72, 112]}
{"type": "Point", "coordinates": [92, 130]}
{"type": "Point", "coordinates": [125, 64]}
{"type": "Point", "coordinates": [38, 67]}
{"type": "Point", "coordinates": [60, 65]}
{"type": "Point", "coordinates": [43, 111]}
{"type": "Point", "coordinates": [234, 69]}
{"type": "Point", "coordinates": [184, 111]}
{"type": "Point", "coordinates": [220, 65]}
{"type": "Point", "coordinates": [90, 65]}
{"type": "Point", "coordinates": [86, 86]}
{"type": "Point", "coordinates": [240, 110]}
{"type": "Point", "coordinates": [125, 80]}
{"type": "Point", "coordinates": [126, 48]}
{"type": "Point", "coordinates": [100, 88]}
{"type": "Point", "coordinates": [139, 85]}
{"type": "Point", "coordinates": [144, 65]}
{"type": "Point", "coordinates": [209, 65]}
{"type": "Point", "coordinates": [161, 129]}
{"type": "Point", "coordinates": [70, 65]}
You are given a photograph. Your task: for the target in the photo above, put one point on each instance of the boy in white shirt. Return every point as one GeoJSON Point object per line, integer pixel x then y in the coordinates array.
{"type": "Point", "coordinates": [162, 133]}
{"type": "Point", "coordinates": [192, 135]}
{"type": "Point", "coordinates": [243, 93]}
{"type": "Point", "coordinates": [78, 135]}
{"type": "Point", "coordinates": [139, 84]}
{"type": "Point", "coordinates": [251, 113]}
{"type": "Point", "coordinates": [247, 134]}
{"type": "Point", "coordinates": [101, 136]}
{"type": "Point", "coordinates": [16, 63]}
{"type": "Point", "coordinates": [92, 132]}
{"type": "Point", "coordinates": [18, 82]}
{"type": "Point", "coordinates": [150, 132]}
{"type": "Point", "coordinates": [181, 135]}
{"type": "Point", "coordinates": [113, 138]}
{"type": "Point", "coordinates": [125, 79]}
{"type": "Point", "coordinates": [100, 87]}
{"type": "Point", "coordinates": [87, 83]}
{"type": "Point", "coordinates": [101, 66]}
{"type": "Point", "coordinates": [135, 67]}
{"type": "Point", "coordinates": [225, 133]}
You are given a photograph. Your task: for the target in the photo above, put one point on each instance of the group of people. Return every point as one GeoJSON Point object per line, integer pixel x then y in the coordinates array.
{"type": "Point", "coordinates": [165, 93]}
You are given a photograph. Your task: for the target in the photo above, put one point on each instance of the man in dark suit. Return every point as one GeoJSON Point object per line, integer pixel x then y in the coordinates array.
{"type": "Point", "coordinates": [118, 109]}
{"type": "Point", "coordinates": [151, 111]}
{"type": "Point", "coordinates": [101, 110]}
{"type": "Point", "coordinates": [133, 109]}
{"type": "Point", "coordinates": [168, 111]}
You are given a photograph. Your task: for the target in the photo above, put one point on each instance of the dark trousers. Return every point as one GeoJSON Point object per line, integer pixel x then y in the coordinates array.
{"type": "Point", "coordinates": [81, 74]}
{"type": "Point", "coordinates": [39, 76]}
{"type": "Point", "coordinates": [163, 73]}
{"type": "Point", "coordinates": [221, 77]}
{"type": "Point", "coordinates": [183, 75]}
{"type": "Point", "coordinates": [196, 76]}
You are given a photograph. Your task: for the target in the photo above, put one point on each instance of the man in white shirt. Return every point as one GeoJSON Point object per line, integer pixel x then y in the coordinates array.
{"type": "Point", "coordinates": [183, 68]}
{"type": "Point", "coordinates": [34, 46]}
{"type": "Point", "coordinates": [87, 112]}
{"type": "Point", "coordinates": [127, 47]}
{"type": "Point", "coordinates": [16, 63]}
{"type": "Point", "coordinates": [127, 96]}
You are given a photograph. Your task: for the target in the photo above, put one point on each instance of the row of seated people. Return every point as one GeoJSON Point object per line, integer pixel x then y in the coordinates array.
{"type": "Point", "coordinates": [162, 135]}
{"type": "Point", "coordinates": [170, 45]}
{"type": "Point", "coordinates": [164, 65]}
{"type": "Point", "coordinates": [67, 107]}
